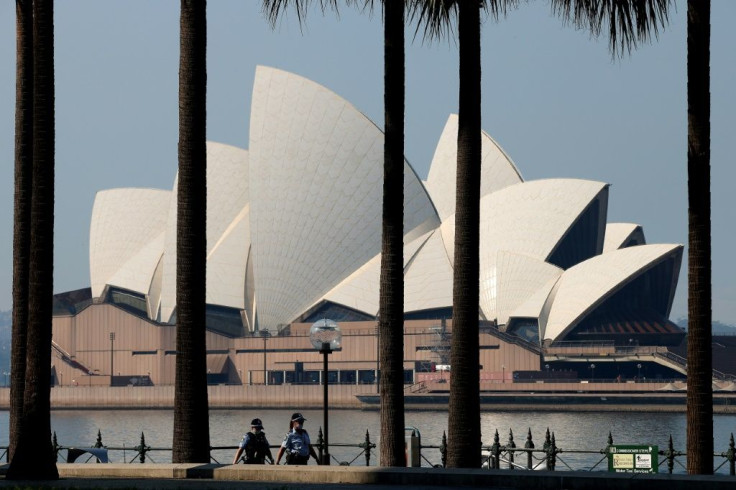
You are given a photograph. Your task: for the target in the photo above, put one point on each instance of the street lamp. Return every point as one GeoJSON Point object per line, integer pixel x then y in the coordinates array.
{"type": "Point", "coordinates": [592, 372]}
{"type": "Point", "coordinates": [546, 366]}
{"type": "Point", "coordinates": [503, 373]}
{"type": "Point", "coordinates": [325, 335]}
{"type": "Point", "coordinates": [638, 367]}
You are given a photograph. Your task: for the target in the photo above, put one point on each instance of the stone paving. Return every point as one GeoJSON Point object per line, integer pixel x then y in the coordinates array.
{"type": "Point", "coordinates": [212, 476]}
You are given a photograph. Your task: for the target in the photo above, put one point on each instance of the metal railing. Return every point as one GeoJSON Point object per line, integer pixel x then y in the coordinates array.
{"type": "Point", "coordinates": [549, 456]}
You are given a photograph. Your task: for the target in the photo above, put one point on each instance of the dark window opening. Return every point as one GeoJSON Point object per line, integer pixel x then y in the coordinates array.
{"type": "Point", "coordinates": [581, 240]}
{"type": "Point", "coordinates": [336, 312]}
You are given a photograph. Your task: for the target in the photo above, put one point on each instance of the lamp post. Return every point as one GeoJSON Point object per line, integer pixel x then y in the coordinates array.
{"type": "Point", "coordinates": [638, 367]}
{"type": "Point", "coordinates": [546, 366]}
{"type": "Point", "coordinates": [592, 372]}
{"type": "Point", "coordinates": [325, 335]}
{"type": "Point", "coordinates": [503, 373]}
{"type": "Point", "coordinates": [112, 342]}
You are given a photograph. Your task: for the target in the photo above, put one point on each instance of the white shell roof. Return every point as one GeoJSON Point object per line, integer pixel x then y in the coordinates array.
{"type": "Point", "coordinates": [532, 307]}
{"type": "Point", "coordinates": [316, 168]}
{"type": "Point", "coordinates": [428, 278]}
{"type": "Point", "coordinates": [228, 235]}
{"type": "Point", "coordinates": [519, 278]}
{"type": "Point", "coordinates": [360, 290]}
{"type": "Point", "coordinates": [226, 264]}
{"type": "Point", "coordinates": [583, 287]}
{"type": "Point", "coordinates": [297, 220]}
{"type": "Point", "coordinates": [126, 238]}
{"type": "Point", "coordinates": [497, 169]}
{"type": "Point", "coordinates": [530, 219]}
{"type": "Point", "coordinates": [618, 234]}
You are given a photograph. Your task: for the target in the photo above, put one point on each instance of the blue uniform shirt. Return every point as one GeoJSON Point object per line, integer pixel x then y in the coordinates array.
{"type": "Point", "coordinates": [297, 443]}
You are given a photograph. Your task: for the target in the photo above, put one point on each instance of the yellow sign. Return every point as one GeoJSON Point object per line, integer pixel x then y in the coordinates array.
{"type": "Point", "coordinates": [621, 461]}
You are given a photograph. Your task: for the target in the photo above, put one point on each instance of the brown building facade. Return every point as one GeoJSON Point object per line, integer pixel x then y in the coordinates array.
{"type": "Point", "coordinates": [103, 340]}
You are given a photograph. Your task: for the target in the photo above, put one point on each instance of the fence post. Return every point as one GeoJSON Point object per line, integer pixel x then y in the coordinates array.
{"type": "Point", "coordinates": [443, 449]}
{"type": "Point", "coordinates": [367, 446]}
{"type": "Point", "coordinates": [98, 443]}
{"type": "Point", "coordinates": [552, 459]}
{"type": "Point", "coordinates": [609, 443]}
{"type": "Point", "coordinates": [496, 452]}
{"type": "Point", "coordinates": [55, 447]}
{"type": "Point", "coordinates": [320, 443]}
{"type": "Point", "coordinates": [529, 444]}
{"type": "Point", "coordinates": [670, 456]}
{"type": "Point", "coordinates": [510, 449]}
{"type": "Point", "coordinates": [142, 449]}
{"type": "Point", "coordinates": [731, 457]}
{"type": "Point", "coordinates": [546, 446]}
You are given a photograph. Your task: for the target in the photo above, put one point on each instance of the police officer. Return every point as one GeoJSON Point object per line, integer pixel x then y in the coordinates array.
{"type": "Point", "coordinates": [254, 445]}
{"type": "Point", "coordinates": [296, 444]}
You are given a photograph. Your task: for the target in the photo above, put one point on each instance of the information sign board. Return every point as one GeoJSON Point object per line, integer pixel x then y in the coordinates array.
{"type": "Point", "coordinates": [633, 459]}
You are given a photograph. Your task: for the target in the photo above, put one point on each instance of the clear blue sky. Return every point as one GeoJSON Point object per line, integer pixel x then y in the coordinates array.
{"type": "Point", "coordinates": [552, 97]}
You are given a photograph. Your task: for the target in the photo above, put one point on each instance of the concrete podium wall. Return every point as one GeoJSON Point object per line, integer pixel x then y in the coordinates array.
{"type": "Point", "coordinates": [220, 396]}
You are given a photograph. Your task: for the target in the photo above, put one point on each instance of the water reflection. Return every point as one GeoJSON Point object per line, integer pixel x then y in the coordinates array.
{"type": "Point", "coordinates": [578, 430]}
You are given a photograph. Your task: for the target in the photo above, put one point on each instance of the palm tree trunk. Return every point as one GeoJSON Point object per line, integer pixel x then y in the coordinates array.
{"type": "Point", "coordinates": [464, 439]}
{"type": "Point", "coordinates": [699, 355]}
{"type": "Point", "coordinates": [391, 308]}
{"type": "Point", "coordinates": [34, 457]}
{"type": "Point", "coordinates": [191, 442]}
{"type": "Point", "coordinates": [22, 211]}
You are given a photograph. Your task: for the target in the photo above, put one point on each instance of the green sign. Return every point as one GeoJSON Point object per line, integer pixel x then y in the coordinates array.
{"type": "Point", "coordinates": [633, 459]}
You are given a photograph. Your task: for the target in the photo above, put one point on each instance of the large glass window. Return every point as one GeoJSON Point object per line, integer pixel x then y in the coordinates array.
{"type": "Point", "coordinates": [366, 377]}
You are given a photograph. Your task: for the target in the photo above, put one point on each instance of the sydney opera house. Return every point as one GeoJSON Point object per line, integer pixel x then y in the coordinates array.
{"type": "Point", "coordinates": [294, 236]}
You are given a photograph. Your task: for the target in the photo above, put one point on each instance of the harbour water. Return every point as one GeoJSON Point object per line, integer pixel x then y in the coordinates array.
{"type": "Point", "coordinates": [573, 431]}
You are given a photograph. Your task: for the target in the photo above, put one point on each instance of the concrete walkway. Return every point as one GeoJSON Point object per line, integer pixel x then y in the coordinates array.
{"type": "Point", "coordinates": [210, 476]}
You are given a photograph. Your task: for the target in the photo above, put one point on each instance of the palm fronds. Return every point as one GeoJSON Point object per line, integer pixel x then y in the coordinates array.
{"type": "Point", "coordinates": [628, 22]}
{"type": "Point", "coordinates": [274, 9]}
{"type": "Point", "coordinates": [437, 17]}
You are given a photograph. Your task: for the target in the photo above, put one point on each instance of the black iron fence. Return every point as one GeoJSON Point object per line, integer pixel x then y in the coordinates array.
{"type": "Point", "coordinates": [498, 455]}
{"type": "Point", "coordinates": [550, 456]}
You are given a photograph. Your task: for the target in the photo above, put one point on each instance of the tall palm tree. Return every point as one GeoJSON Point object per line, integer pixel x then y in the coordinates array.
{"type": "Point", "coordinates": [464, 411]}
{"type": "Point", "coordinates": [391, 294]}
{"type": "Point", "coordinates": [391, 291]}
{"type": "Point", "coordinates": [628, 22]}
{"type": "Point", "coordinates": [22, 210]}
{"type": "Point", "coordinates": [699, 353]}
{"type": "Point", "coordinates": [464, 435]}
{"type": "Point", "coordinates": [191, 442]}
{"type": "Point", "coordinates": [34, 457]}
